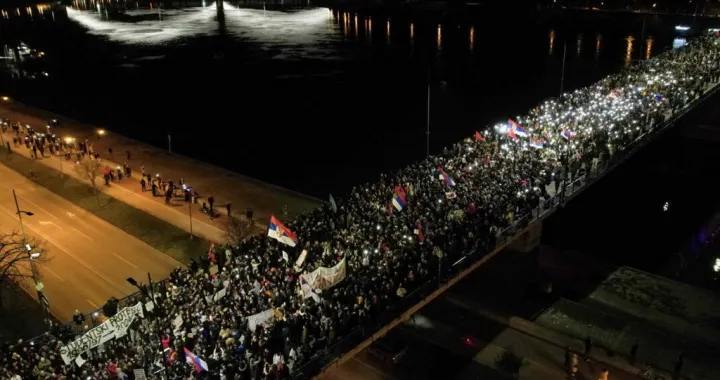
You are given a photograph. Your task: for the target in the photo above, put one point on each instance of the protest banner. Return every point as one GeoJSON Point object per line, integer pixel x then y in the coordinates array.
{"type": "Point", "coordinates": [115, 327]}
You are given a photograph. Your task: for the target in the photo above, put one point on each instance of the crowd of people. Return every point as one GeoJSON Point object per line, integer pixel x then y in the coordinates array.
{"type": "Point", "coordinates": [392, 236]}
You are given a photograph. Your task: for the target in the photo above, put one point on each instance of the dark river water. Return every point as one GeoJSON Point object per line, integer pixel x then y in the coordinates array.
{"type": "Point", "coordinates": [319, 100]}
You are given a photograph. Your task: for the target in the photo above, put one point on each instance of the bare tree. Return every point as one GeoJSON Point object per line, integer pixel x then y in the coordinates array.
{"type": "Point", "coordinates": [238, 228]}
{"type": "Point", "coordinates": [15, 264]}
{"type": "Point", "coordinates": [90, 169]}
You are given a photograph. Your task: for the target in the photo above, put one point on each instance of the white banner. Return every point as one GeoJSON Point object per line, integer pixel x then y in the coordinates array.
{"type": "Point", "coordinates": [300, 260]}
{"type": "Point", "coordinates": [321, 279]}
{"type": "Point", "coordinates": [326, 278]}
{"type": "Point", "coordinates": [260, 318]}
{"type": "Point", "coordinates": [220, 294]}
{"type": "Point", "coordinates": [115, 327]}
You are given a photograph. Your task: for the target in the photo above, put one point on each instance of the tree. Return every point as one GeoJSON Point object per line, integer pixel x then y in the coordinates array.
{"type": "Point", "coordinates": [90, 169]}
{"type": "Point", "coordinates": [15, 259]}
{"type": "Point", "coordinates": [238, 228]}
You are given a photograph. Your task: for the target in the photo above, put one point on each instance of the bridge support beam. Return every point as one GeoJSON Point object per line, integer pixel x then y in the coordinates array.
{"type": "Point", "coordinates": [529, 240]}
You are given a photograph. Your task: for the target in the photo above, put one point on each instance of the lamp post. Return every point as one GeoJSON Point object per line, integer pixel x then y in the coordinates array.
{"type": "Point", "coordinates": [30, 255]}
{"type": "Point", "coordinates": [24, 237]}
{"type": "Point", "coordinates": [156, 311]}
{"type": "Point", "coordinates": [19, 214]}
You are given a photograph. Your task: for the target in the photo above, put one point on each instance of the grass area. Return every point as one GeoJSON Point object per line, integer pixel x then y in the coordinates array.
{"type": "Point", "coordinates": [21, 316]}
{"type": "Point", "coordinates": [157, 233]}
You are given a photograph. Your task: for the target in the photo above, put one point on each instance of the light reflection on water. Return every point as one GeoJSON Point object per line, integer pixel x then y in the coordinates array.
{"type": "Point", "coordinates": [297, 34]}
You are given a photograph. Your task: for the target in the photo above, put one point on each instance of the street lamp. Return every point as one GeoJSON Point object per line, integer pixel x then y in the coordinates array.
{"type": "Point", "coordinates": [101, 132]}
{"type": "Point", "coordinates": [19, 214]}
{"type": "Point", "coordinates": [156, 312]}
{"type": "Point", "coordinates": [32, 256]}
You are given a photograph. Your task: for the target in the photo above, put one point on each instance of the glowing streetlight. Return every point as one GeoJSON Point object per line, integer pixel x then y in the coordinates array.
{"type": "Point", "coordinates": [6, 99]}
{"type": "Point", "coordinates": [101, 132]}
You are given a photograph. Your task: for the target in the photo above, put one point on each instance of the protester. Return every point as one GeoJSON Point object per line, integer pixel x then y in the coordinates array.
{"type": "Point", "coordinates": [267, 307]}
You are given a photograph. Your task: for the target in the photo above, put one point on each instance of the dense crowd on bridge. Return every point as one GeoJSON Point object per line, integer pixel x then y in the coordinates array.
{"type": "Point", "coordinates": [392, 236]}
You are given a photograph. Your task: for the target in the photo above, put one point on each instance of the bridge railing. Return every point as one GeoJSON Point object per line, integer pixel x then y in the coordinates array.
{"type": "Point", "coordinates": [325, 358]}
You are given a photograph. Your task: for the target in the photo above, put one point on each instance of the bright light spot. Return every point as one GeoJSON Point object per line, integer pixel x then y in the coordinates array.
{"type": "Point", "coordinates": [682, 28]}
{"type": "Point", "coordinates": [666, 206]}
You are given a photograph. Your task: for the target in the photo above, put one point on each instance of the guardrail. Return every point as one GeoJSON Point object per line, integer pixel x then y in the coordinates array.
{"type": "Point", "coordinates": [378, 326]}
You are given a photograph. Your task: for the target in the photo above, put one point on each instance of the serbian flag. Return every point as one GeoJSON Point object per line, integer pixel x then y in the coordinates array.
{"type": "Point", "coordinates": [446, 178]}
{"type": "Point", "coordinates": [614, 94]}
{"type": "Point", "coordinates": [568, 134]}
{"type": "Point", "coordinates": [479, 137]}
{"type": "Point", "coordinates": [516, 129]}
{"type": "Point", "coordinates": [279, 232]}
{"type": "Point", "coordinates": [199, 364]}
{"type": "Point", "coordinates": [399, 200]}
{"type": "Point", "coordinates": [537, 144]}
{"type": "Point", "coordinates": [418, 231]}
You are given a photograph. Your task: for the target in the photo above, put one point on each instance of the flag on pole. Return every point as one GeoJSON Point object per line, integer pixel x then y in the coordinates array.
{"type": "Point", "coordinates": [199, 364]}
{"type": "Point", "coordinates": [516, 128]}
{"type": "Point", "coordinates": [537, 144]}
{"type": "Point", "coordinates": [399, 200]}
{"type": "Point", "coordinates": [333, 205]}
{"type": "Point", "coordinates": [444, 177]}
{"type": "Point", "coordinates": [279, 232]}
{"type": "Point", "coordinates": [568, 134]}
{"type": "Point", "coordinates": [479, 137]}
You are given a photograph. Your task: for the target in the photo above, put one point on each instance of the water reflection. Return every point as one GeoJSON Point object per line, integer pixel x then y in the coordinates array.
{"type": "Point", "coordinates": [472, 39]}
{"type": "Point", "coordinates": [296, 33]}
{"type": "Point", "coordinates": [598, 41]}
{"type": "Point", "coordinates": [438, 41]}
{"type": "Point", "coordinates": [579, 45]}
{"type": "Point", "coordinates": [552, 41]}
{"type": "Point", "coordinates": [355, 25]}
{"type": "Point", "coordinates": [648, 47]}
{"type": "Point", "coordinates": [387, 30]}
{"type": "Point", "coordinates": [629, 50]}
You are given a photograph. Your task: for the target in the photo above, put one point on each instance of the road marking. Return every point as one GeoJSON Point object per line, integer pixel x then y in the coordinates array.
{"type": "Point", "coordinates": [86, 265]}
{"type": "Point", "coordinates": [119, 257]}
{"type": "Point", "coordinates": [82, 234]}
{"type": "Point", "coordinates": [92, 304]}
{"type": "Point", "coordinates": [52, 272]}
{"type": "Point", "coordinates": [48, 223]}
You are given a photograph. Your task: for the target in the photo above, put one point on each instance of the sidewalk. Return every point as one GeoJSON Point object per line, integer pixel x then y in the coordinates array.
{"type": "Point", "coordinates": [207, 180]}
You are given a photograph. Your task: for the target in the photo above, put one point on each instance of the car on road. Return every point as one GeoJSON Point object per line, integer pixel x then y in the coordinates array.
{"type": "Point", "coordinates": [390, 349]}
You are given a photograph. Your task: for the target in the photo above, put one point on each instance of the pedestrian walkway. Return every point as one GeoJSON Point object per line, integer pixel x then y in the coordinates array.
{"type": "Point", "coordinates": [225, 186]}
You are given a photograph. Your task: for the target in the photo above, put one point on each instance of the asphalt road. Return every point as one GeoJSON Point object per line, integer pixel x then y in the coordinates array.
{"type": "Point", "coordinates": [89, 259]}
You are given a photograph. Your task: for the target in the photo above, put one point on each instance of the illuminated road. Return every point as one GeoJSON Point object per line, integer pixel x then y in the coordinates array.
{"type": "Point", "coordinates": [90, 259]}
